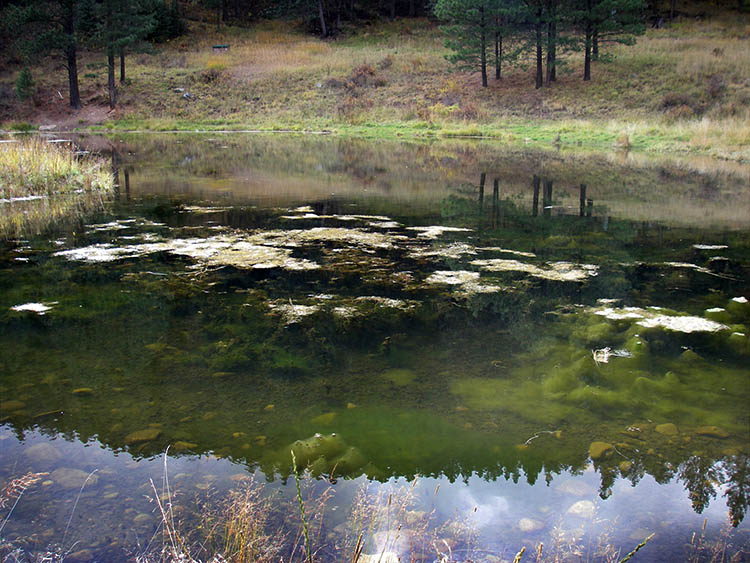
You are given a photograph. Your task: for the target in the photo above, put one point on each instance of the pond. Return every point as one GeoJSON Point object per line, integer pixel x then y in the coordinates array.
{"type": "Point", "coordinates": [469, 350]}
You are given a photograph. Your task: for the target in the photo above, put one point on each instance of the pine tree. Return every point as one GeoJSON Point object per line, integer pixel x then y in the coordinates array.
{"type": "Point", "coordinates": [51, 25]}
{"type": "Point", "coordinates": [118, 25]}
{"type": "Point", "coordinates": [613, 21]}
{"type": "Point", "coordinates": [470, 24]}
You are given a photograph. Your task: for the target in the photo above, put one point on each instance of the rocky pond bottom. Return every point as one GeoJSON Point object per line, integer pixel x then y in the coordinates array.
{"type": "Point", "coordinates": [454, 377]}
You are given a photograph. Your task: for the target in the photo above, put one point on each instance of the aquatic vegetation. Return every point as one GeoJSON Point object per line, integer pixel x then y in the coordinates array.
{"type": "Point", "coordinates": [486, 344]}
{"type": "Point", "coordinates": [557, 271]}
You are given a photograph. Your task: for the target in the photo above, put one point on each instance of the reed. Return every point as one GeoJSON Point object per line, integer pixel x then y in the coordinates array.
{"type": "Point", "coordinates": [44, 184]}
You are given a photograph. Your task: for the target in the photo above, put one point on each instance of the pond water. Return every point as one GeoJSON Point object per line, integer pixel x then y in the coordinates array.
{"type": "Point", "coordinates": [470, 349]}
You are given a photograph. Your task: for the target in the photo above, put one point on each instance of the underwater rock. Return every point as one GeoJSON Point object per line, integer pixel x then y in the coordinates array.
{"type": "Point", "coordinates": [399, 377]}
{"type": "Point", "coordinates": [145, 435]}
{"type": "Point", "coordinates": [83, 392]}
{"type": "Point", "coordinates": [740, 343]}
{"type": "Point", "coordinates": [712, 432]}
{"type": "Point", "coordinates": [10, 406]}
{"type": "Point", "coordinates": [529, 525]}
{"type": "Point", "coordinates": [598, 449]}
{"type": "Point", "coordinates": [324, 419]}
{"type": "Point", "coordinates": [43, 453]}
{"type": "Point", "coordinates": [69, 478]}
{"type": "Point", "coordinates": [80, 556]}
{"type": "Point", "coordinates": [351, 406]}
{"type": "Point", "coordinates": [348, 462]}
{"type": "Point", "coordinates": [688, 356]}
{"type": "Point", "coordinates": [181, 446]}
{"type": "Point", "coordinates": [625, 466]}
{"type": "Point", "coordinates": [306, 451]}
{"type": "Point", "coordinates": [739, 309]}
{"type": "Point", "coordinates": [269, 407]}
{"type": "Point", "coordinates": [583, 509]}
{"type": "Point", "coordinates": [142, 518]}
{"type": "Point", "coordinates": [667, 429]}
{"type": "Point", "coordinates": [719, 315]}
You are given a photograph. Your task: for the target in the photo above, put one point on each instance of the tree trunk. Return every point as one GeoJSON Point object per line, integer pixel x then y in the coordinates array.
{"type": "Point", "coordinates": [218, 18]}
{"type": "Point", "coordinates": [71, 53]}
{"type": "Point", "coordinates": [498, 55]}
{"type": "Point", "coordinates": [393, 9]}
{"type": "Point", "coordinates": [482, 179]}
{"type": "Point", "coordinates": [672, 5]}
{"type": "Point", "coordinates": [321, 14]}
{"type": "Point", "coordinates": [483, 45]}
{"type": "Point", "coordinates": [551, 43]}
{"type": "Point", "coordinates": [539, 69]}
{"type": "Point", "coordinates": [122, 65]}
{"type": "Point", "coordinates": [413, 8]}
{"type": "Point", "coordinates": [535, 204]}
{"type": "Point", "coordinates": [587, 54]}
{"type": "Point", "coordinates": [111, 76]}
{"type": "Point", "coordinates": [582, 200]}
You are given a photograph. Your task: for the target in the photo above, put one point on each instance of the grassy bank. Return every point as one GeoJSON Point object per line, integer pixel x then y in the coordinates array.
{"type": "Point", "coordinates": [43, 183]}
{"type": "Point", "coordinates": [682, 88]}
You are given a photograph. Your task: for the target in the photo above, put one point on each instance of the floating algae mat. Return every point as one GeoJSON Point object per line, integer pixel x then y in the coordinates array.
{"type": "Point", "coordinates": [565, 352]}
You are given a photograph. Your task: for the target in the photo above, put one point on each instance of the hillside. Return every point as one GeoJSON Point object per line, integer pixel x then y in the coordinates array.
{"type": "Point", "coordinates": [684, 87]}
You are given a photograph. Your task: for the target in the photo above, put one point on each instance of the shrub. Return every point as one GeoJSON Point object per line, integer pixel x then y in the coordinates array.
{"type": "Point", "coordinates": [24, 84]}
{"type": "Point", "coordinates": [716, 86]}
{"type": "Point", "coordinates": [676, 99]}
{"type": "Point", "coordinates": [680, 112]}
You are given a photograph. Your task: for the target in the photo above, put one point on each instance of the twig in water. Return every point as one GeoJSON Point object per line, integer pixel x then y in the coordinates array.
{"type": "Point", "coordinates": [308, 550]}
{"type": "Point", "coordinates": [639, 546]}
{"type": "Point", "coordinates": [16, 488]}
{"type": "Point", "coordinates": [74, 507]}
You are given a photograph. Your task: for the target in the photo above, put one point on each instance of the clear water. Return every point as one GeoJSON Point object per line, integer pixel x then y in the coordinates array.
{"type": "Point", "coordinates": [244, 296]}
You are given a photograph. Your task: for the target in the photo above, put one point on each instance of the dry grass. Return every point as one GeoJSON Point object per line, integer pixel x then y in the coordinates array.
{"type": "Point", "coordinates": [683, 87]}
{"type": "Point", "coordinates": [44, 185]}
{"type": "Point", "coordinates": [34, 167]}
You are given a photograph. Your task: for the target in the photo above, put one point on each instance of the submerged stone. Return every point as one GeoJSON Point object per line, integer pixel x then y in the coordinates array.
{"type": "Point", "coordinates": [306, 451]}
{"type": "Point", "coordinates": [399, 377]}
{"type": "Point", "coordinates": [182, 446]}
{"type": "Point", "coordinates": [667, 429]}
{"type": "Point", "coordinates": [712, 431]}
{"type": "Point", "coordinates": [83, 392]}
{"type": "Point", "coordinates": [324, 419]}
{"type": "Point", "coordinates": [43, 453]}
{"type": "Point", "coordinates": [597, 450]}
{"type": "Point", "coordinates": [145, 435]}
{"type": "Point", "coordinates": [69, 478]}
{"type": "Point", "coordinates": [10, 406]}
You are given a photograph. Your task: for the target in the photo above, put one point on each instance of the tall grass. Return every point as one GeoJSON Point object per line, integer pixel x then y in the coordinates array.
{"type": "Point", "coordinates": [44, 184]}
{"type": "Point", "coordinates": [35, 167]}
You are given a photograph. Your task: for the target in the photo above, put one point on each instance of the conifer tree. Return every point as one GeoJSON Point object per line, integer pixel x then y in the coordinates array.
{"type": "Point", "coordinates": [470, 24]}
{"type": "Point", "coordinates": [614, 21]}
{"type": "Point", "coordinates": [49, 25]}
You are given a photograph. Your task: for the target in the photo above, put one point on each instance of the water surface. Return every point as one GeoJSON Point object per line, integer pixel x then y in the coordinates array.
{"type": "Point", "coordinates": [559, 341]}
